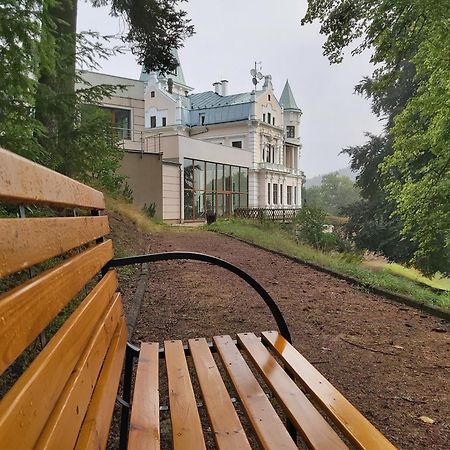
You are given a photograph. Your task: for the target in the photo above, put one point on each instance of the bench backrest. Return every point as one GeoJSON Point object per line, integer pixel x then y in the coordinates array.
{"type": "Point", "coordinates": [49, 274]}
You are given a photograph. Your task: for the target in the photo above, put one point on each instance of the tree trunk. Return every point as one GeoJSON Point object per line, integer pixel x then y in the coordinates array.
{"type": "Point", "coordinates": [56, 103]}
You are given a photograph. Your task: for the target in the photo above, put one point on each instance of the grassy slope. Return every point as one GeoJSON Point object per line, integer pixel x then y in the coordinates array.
{"type": "Point", "coordinates": [435, 282]}
{"type": "Point", "coordinates": [133, 213]}
{"type": "Point", "coordinates": [272, 237]}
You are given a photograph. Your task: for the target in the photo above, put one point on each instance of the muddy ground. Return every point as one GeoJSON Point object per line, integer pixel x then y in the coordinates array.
{"type": "Point", "coordinates": [390, 361]}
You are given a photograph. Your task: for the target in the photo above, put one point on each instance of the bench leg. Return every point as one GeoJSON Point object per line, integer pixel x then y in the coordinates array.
{"type": "Point", "coordinates": [131, 353]}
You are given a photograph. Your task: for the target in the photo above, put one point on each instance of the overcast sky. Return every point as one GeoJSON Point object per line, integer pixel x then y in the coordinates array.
{"type": "Point", "coordinates": [232, 34]}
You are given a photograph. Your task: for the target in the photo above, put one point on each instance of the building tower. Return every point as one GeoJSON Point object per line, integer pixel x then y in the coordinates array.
{"type": "Point", "coordinates": [291, 117]}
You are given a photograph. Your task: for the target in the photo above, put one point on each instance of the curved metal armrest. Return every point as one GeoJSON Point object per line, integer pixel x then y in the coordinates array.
{"type": "Point", "coordinates": [166, 256]}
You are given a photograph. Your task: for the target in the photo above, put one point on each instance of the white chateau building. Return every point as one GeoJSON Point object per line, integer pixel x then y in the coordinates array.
{"type": "Point", "coordinates": [192, 153]}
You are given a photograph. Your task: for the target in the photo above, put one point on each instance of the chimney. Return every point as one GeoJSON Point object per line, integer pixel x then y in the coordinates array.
{"type": "Point", "coordinates": [224, 87]}
{"type": "Point", "coordinates": [217, 85]}
{"type": "Point", "coordinates": [170, 85]}
{"type": "Point", "coordinates": [267, 82]}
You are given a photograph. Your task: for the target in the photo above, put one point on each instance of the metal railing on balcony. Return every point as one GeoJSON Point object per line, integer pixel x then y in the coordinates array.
{"type": "Point", "coordinates": [138, 140]}
{"type": "Point", "coordinates": [280, 168]}
{"type": "Point", "coordinates": [284, 215]}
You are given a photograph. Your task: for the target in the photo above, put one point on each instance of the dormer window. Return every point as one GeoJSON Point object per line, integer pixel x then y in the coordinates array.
{"type": "Point", "coordinates": [273, 120]}
{"type": "Point", "coordinates": [269, 118]}
{"type": "Point", "coordinates": [268, 97]}
{"type": "Point", "coordinates": [152, 94]}
{"type": "Point", "coordinates": [201, 119]}
{"type": "Point", "coordinates": [264, 117]}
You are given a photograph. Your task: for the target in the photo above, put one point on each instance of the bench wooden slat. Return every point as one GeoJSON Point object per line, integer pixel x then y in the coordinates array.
{"type": "Point", "coordinates": [227, 428]}
{"type": "Point", "coordinates": [26, 242]}
{"type": "Point", "coordinates": [351, 422]}
{"type": "Point", "coordinates": [312, 426]}
{"type": "Point", "coordinates": [95, 430]}
{"type": "Point", "coordinates": [144, 423]}
{"type": "Point", "coordinates": [26, 310]}
{"type": "Point", "coordinates": [186, 426]}
{"type": "Point", "coordinates": [269, 428]}
{"type": "Point", "coordinates": [25, 408]}
{"type": "Point", "coordinates": [23, 181]}
{"type": "Point", "coordinates": [61, 430]}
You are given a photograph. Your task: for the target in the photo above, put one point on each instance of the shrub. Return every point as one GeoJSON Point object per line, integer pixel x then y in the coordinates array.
{"type": "Point", "coordinates": [308, 225]}
{"type": "Point", "coordinates": [149, 210]}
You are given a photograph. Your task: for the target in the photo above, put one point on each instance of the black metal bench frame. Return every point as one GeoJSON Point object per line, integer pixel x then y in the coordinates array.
{"type": "Point", "coordinates": [132, 352]}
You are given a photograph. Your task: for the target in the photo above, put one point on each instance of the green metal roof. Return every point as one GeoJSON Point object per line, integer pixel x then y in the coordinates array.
{"type": "Point", "coordinates": [287, 100]}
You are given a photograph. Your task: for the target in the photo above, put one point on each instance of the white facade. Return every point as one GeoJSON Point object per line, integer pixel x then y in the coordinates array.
{"type": "Point", "coordinates": [252, 130]}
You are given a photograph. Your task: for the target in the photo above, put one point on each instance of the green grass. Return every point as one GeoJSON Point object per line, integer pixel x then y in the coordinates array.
{"type": "Point", "coordinates": [437, 281]}
{"type": "Point", "coordinates": [273, 237]}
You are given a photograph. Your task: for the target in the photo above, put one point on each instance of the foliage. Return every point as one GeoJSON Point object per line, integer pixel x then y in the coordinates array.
{"type": "Point", "coordinates": [309, 223]}
{"type": "Point", "coordinates": [371, 222]}
{"type": "Point", "coordinates": [150, 210]}
{"type": "Point", "coordinates": [309, 226]}
{"type": "Point", "coordinates": [419, 168]}
{"type": "Point", "coordinates": [409, 40]}
{"type": "Point", "coordinates": [155, 27]}
{"type": "Point", "coordinates": [19, 36]}
{"type": "Point", "coordinates": [334, 193]}
{"type": "Point", "coordinates": [97, 154]}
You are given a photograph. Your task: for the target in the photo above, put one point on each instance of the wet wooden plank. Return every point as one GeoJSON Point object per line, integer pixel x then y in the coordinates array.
{"type": "Point", "coordinates": [144, 423]}
{"type": "Point", "coordinates": [27, 405]}
{"type": "Point", "coordinates": [186, 426]}
{"type": "Point", "coordinates": [351, 422]}
{"type": "Point", "coordinates": [26, 242]}
{"type": "Point", "coordinates": [62, 428]}
{"type": "Point", "coordinates": [23, 181]}
{"type": "Point", "coordinates": [269, 428]}
{"type": "Point", "coordinates": [26, 310]}
{"type": "Point", "coordinates": [95, 430]}
{"type": "Point", "coordinates": [227, 428]}
{"type": "Point", "coordinates": [313, 428]}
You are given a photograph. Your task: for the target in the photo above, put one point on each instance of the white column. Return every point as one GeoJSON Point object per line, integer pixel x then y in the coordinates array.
{"type": "Point", "coordinates": [181, 193]}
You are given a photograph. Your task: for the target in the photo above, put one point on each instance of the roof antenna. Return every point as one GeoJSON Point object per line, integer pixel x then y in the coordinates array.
{"type": "Point", "coordinates": [256, 76]}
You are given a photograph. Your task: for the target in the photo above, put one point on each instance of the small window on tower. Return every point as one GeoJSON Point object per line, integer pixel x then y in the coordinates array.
{"type": "Point", "coordinates": [264, 117]}
{"type": "Point", "coordinates": [164, 121]}
{"type": "Point", "coordinates": [273, 120]}
{"type": "Point", "coordinates": [290, 131]}
{"type": "Point", "coordinates": [269, 118]}
{"type": "Point", "coordinates": [268, 97]}
{"type": "Point", "coordinates": [152, 121]}
{"type": "Point", "coordinates": [152, 93]}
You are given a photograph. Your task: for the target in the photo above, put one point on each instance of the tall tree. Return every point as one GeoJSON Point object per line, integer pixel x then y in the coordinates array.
{"type": "Point", "coordinates": [334, 193]}
{"type": "Point", "coordinates": [404, 33]}
{"type": "Point", "coordinates": [154, 28]}
{"type": "Point", "coordinates": [19, 47]}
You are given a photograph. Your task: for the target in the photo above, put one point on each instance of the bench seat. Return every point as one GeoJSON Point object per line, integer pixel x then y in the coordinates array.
{"type": "Point", "coordinates": [253, 369]}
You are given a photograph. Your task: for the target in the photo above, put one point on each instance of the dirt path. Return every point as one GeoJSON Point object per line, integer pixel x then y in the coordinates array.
{"type": "Point", "coordinates": [391, 361]}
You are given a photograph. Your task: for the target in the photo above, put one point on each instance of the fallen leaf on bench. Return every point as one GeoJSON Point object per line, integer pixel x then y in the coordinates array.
{"type": "Point", "coordinates": [426, 419]}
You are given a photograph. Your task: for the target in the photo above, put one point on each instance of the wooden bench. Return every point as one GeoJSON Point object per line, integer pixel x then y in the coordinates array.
{"type": "Point", "coordinates": [65, 397]}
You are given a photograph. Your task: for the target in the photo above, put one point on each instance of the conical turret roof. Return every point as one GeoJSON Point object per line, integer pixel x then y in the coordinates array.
{"type": "Point", "coordinates": [177, 77]}
{"type": "Point", "coordinates": [287, 100]}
